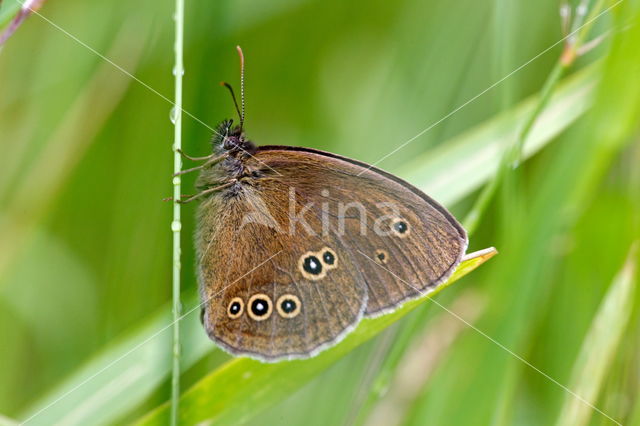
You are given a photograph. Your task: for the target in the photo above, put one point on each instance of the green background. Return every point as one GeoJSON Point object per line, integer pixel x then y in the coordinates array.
{"type": "Point", "coordinates": [85, 240]}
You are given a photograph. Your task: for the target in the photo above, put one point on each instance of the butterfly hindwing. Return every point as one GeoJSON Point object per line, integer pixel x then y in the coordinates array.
{"type": "Point", "coordinates": [244, 259]}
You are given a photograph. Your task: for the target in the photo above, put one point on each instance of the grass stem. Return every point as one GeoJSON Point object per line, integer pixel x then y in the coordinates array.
{"type": "Point", "coordinates": [176, 224]}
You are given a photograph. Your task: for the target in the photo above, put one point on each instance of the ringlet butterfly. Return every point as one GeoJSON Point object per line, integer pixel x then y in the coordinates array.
{"type": "Point", "coordinates": [295, 245]}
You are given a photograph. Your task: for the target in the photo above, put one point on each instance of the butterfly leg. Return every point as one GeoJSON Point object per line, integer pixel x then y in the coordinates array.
{"type": "Point", "coordinates": [185, 171]}
{"type": "Point", "coordinates": [211, 160]}
{"type": "Point", "coordinates": [200, 194]}
{"type": "Point", "coordinates": [188, 157]}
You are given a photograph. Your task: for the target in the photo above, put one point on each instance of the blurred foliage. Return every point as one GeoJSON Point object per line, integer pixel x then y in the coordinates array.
{"type": "Point", "coordinates": [85, 256]}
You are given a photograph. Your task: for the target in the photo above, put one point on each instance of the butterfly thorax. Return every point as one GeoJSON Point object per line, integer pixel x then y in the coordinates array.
{"type": "Point", "coordinates": [230, 144]}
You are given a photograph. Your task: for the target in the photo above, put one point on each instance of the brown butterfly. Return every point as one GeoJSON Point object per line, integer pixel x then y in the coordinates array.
{"type": "Point", "coordinates": [296, 245]}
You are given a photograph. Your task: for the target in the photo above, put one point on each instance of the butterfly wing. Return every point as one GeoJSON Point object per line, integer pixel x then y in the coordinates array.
{"type": "Point", "coordinates": [292, 257]}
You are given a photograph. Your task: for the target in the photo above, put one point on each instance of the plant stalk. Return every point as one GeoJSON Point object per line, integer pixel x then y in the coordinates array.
{"type": "Point", "coordinates": [176, 224]}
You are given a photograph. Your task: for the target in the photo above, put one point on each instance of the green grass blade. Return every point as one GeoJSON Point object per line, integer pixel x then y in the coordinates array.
{"type": "Point", "coordinates": [242, 387]}
{"type": "Point", "coordinates": [600, 346]}
{"type": "Point", "coordinates": [462, 165]}
{"type": "Point", "coordinates": [450, 173]}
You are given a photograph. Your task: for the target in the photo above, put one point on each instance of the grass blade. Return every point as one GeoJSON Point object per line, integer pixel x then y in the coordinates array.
{"type": "Point", "coordinates": [600, 346]}
{"type": "Point", "coordinates": [460, 166]}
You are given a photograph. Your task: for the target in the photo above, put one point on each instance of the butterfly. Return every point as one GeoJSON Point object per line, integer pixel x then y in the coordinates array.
{"type": "Point", "coordinates": [295, 245]}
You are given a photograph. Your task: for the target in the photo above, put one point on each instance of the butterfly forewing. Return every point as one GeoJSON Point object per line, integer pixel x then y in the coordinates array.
{"type": "Point", "coordinates": [404, 243]}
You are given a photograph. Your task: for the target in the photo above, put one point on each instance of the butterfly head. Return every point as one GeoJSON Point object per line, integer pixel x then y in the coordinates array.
{"type": "Point", "coordinates": [230, 139]}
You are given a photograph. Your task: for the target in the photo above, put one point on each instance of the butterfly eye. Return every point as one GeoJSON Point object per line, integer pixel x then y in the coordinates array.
{"type": "Point", "coordinates": [381, 256]}
{"type": "Point", "coordinates": [400, 227]}
{"type": "Point", "coordinates": [288, 306]}
{"type": "Point", "coordinates": [259, 307]}
{"type": "Point", "coordinates": [311, 266]}
{"type": "Point", "coordinates": [234, 310]}
{"type": "Point", "coordinates": [329, 258]}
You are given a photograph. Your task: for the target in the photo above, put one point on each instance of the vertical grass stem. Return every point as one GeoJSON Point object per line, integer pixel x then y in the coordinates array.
{"type": "Point", "coordinates": [176, 224]}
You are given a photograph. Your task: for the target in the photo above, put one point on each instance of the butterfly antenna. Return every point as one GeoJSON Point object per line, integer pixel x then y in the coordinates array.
{"type": "Point", "coordinates": [241, 85]}
{"type": "Point", "coordinates": [233, 96]}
